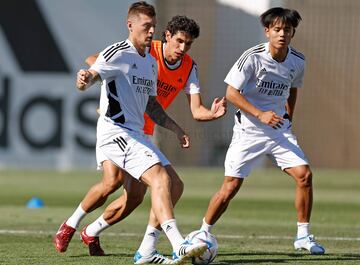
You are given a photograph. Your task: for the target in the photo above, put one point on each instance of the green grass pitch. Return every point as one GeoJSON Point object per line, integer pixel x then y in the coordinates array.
{"type": "Point", "coordinates": [258, 227]}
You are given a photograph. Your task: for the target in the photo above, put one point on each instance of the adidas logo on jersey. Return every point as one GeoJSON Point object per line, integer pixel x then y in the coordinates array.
{"type": "Point", "coordinates": [263, 70]}
{"type": "Point", "coordinates": [134, 66]}
{"type": "Point", "coordinates": [180, 80]}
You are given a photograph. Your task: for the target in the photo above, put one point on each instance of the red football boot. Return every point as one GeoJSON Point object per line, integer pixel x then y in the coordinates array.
{"type": "Point", "coordinates": [93, 242]}
{"type": "Point", "coordinates": [63, 237]}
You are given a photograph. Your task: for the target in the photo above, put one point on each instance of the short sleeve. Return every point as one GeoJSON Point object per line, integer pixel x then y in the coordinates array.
{"type": "Point", "coordinates": [192, 85]}
{"type": "Point", "coordinates": [107, 68]}
{"type": "Point", "coordinates": [240, 73]}
{"type": "Point", "coordinates": [299, 78]}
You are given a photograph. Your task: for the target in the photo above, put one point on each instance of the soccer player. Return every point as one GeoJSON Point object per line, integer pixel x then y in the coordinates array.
{"type": "Point", "coordinates": [263, 85]}
{"type": "Point", "coordinates": [176, 71]}
{"type": "Point", "coordinates": [129, 77]}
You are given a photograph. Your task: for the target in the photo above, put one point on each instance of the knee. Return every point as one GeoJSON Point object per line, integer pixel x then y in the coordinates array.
{"type": "Point", "coordinates": [229, 189]}
{"type": "Point", "coordinates": [305, 179]}
{"type": "Point", "coordinates": [111, 185]}
{"type": "Point", "coordinates": [161, 180]}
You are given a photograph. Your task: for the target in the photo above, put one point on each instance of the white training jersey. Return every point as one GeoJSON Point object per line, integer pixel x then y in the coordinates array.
{"type": "Point", "coordinates": [266, 84]}
{"type": "Point", "coordinates": [128, 79]}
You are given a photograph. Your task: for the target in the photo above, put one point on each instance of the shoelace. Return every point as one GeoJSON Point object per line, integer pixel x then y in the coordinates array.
{"type": "Point", "coordinates": [65, 234]}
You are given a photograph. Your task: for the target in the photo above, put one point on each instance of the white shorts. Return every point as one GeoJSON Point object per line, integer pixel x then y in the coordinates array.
{"type": "Point", "coordinates": [100, 156]}
{"type": "Point", "coordinates": [131, 151]}
{"type": "Point", "coordinates": [164, 161]}
{"type": "Point", "coordinates": [245, 151]}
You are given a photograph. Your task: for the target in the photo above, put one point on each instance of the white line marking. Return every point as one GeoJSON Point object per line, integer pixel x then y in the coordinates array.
{"type": "Point", "coordinates": [40, 232]}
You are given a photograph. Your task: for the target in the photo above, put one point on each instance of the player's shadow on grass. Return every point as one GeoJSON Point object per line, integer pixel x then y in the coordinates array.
{"type": "Point", "coordinates": [292, 257]}
{"type": "Point", "coordinates": [123, 255]}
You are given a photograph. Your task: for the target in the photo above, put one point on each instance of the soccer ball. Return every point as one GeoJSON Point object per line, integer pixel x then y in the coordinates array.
{"type": "Point", "coordinates": [205, 237]}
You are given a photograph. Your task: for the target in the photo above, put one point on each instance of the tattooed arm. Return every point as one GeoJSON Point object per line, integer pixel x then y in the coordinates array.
{"type": "Point", "coordinates": [159, 116]}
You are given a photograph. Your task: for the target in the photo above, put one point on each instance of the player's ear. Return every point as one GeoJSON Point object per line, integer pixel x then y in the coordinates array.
{"type": "Point", "coordinates": [266, 31]}
{"type": "Point", "coordinates": [293, 33]}
{"type": "Point", "coordinates": [129, 25]}
{"type": "Point", "coordinates": [167, 36]}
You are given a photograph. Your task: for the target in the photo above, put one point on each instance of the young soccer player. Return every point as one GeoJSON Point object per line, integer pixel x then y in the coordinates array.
{"type": "Point", "coordinates": [263, 85]}
{"type": "Point", "coordinates": [129, 78]}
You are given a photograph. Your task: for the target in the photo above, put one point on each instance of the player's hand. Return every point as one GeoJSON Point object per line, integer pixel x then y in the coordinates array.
{"type": "Point", "coordinates": [270, 118]}
{"type": "Point", "coordinates": [83, 78]}
{"type": "Point", "coordinates": [218, 107]}
{"type": "Point", "coordinates": [184, 140]}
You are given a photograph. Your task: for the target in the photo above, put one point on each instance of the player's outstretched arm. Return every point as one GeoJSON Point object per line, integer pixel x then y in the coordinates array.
{"type": "Point", "coordinates": [267, 117]}
{"type": "Point", "coordinates": [159, 116]}
{"type": "Point", "coordinates": [86, 78]}
{"type": "Point", "coordinates": [201, 113]}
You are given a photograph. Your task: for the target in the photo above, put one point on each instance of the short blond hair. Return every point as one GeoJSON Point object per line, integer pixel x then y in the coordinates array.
{"type": "Point", "coordinates": [141, 8]}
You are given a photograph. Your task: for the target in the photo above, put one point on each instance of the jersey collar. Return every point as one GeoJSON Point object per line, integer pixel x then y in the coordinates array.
{"type": "Point", "coordinates": [132, 47]}
{"type": "Point", "coordinates": [267, 50]}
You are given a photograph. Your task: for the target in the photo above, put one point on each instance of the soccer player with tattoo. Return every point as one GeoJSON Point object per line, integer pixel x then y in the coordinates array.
{"type": "Point", "coordinates": [129, 77]}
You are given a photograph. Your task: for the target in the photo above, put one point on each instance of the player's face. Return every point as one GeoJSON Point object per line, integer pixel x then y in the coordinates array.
{"type": "Point", "coordinates": [177, 45]}
{"type": "Point", "coordinates": [279, 34]}
{"type": "Point", "coordinates": [142, 29]}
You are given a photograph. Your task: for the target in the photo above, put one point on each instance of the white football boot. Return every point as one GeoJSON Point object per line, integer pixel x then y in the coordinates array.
{"type": "Point", "coordinates": [187, 251]}
{"type": "Point", "coordinates": [309, 244]}
{"type": "Point", "coordinates": [153, 258]}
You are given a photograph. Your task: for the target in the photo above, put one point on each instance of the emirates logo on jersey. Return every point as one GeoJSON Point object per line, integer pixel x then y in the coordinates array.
{"type": "Point", "coordinates": [164, 89]}
{"type": "Point", "coordinates": [271, 88]}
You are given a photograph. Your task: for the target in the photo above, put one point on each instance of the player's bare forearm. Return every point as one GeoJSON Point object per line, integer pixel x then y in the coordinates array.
{"type": "Point", "coordinates": [239, 101]}
{"type": "Point", "coordinates": [201, 113]}
{"type": "Point", "coordinates": [159, 116]}
{"type": "Point", "coordinates": [267, 117]}
{"type": "Point", "coordinates": [291, 102]}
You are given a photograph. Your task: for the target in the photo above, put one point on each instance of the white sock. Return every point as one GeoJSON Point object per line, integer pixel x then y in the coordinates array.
{"type": "Point", "coordinates": [76, 217]}
{"type": "Point", "coordinates": [148, 244]}
{"type": "Point", "coordinates": [206, 227]}
{"type": "Point", "coordinates": [173, 234]}
{"type": "Point", "coordinates": [303, 229]}
{"type": "Point", "coordinates": [96, 227]}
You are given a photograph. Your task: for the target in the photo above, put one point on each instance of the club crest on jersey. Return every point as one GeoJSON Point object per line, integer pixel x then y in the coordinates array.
{"type": "Point", "coordinates": [180, 80]}
{"type": "Point", "coordinates": [292, 72]}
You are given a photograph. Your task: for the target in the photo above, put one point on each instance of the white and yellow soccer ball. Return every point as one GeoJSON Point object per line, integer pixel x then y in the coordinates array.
{"type": "Point", "coordinates": [211, 251]}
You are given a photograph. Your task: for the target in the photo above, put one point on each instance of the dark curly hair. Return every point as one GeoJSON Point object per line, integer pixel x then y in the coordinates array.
{"type": "Point", "coordinates": [182, 23]}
